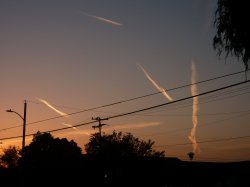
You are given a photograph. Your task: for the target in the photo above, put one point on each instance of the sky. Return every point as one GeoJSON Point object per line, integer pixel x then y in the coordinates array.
{"type": "Point", "coordinates": [83, 57]}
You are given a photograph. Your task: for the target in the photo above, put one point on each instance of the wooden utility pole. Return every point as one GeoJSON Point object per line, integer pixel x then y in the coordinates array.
{"type": "Point", "coordinates": [24, 123]}
{"type": "Point", "coordinates": [100, 124]}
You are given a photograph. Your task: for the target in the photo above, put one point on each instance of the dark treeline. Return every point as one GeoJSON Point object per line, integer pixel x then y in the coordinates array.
{"type": "Point", "coordinates": [108, 171]}
{"type": "Point", "coordinates": [111, 160]}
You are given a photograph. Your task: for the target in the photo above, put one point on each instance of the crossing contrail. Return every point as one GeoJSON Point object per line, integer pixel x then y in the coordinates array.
{"type": "Point", "coordinates": [162, 90]}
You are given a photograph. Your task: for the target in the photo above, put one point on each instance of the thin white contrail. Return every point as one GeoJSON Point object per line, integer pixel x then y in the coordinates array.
{"type": "Point", "coordinates": [105, 20]}
{"type": "Point", "coordinates": [162, 90]}
{"type": "Point", "coordinates": [68, 125]}
{"type": "Point", "coordinates": [192, 136]}
{"type": "Point", "coordinates": [59, 112]}
{"type": "Point", "coordinates": [53, 108]}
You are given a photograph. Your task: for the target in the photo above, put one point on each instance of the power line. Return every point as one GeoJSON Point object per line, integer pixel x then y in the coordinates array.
{"type": "Point", "coordinates": [201, 102]}
{"type": "Point", "coordinates": [212, 100]}
{"type": "Point", "coordinates": [49, 131]}
{"type": "Point", "coordinates": [202, 125]}
{"type": "Point", "coordinates": [135, 98]}
{"type": "Point", "coordinates": [143, 96]}
{"type": "Point", "coordinates": [122, 101]}
{"type": "Point", "coordinates": [145, 109]}
{"type": "Point", "coordinates": [179, 100]}
{"type": "Point", "coordinates": [207, 141]}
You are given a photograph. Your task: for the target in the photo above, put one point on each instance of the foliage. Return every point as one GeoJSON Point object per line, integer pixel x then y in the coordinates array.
{"type": "Point", "coordinates": [45, 150]}
{"type": "Point", "coordinates": [118, 144]}
{"type": "Point", "coordinates": [10, 157]}
{"type": "Point", "coordinates": [231, 21]}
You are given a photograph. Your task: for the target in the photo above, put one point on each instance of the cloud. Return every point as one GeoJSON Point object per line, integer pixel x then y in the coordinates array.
{"type": "Point", "coordinates": [137, 125]}
{"type": "Point", "coordinates": [76, 132]}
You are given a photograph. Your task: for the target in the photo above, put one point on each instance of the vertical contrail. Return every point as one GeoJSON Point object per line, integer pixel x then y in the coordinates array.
{"type": "Point", "coordinates": [194, 91]}
{"type": "Point", "coordinates": [162, 90]}
{"type": "Point", "coordinates": [53, 108]}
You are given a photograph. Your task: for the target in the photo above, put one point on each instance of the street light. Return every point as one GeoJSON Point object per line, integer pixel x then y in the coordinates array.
{"type": "Point", "coordinates": [24, 120]}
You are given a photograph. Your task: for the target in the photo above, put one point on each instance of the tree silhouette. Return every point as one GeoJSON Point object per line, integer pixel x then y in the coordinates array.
{"type": "Point", "coordinates": [233, 33]}
{"type": "Point", "coordinates": [120, 145]}
{"type": "Point", "coordinates": [45, 150]}
{"type": "Point", "coordinates": [10, 157]}
{"type": "Point", "coordinates": [50, 161]}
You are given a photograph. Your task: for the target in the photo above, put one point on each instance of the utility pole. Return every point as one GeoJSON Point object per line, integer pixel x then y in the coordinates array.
{"type": "Point", "coordinates": [24, 120]}
{"type": "Point", "coordinates": [100, 124]}
{"type": "Point", "coordinates": [24, 123]}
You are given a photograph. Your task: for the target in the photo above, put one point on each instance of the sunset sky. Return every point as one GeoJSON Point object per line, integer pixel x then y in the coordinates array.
{"type": "Point", "coordinates": [85, 54]}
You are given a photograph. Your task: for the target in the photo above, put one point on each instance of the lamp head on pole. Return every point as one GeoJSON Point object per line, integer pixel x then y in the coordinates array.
{"type": "Point", "coordinates": [9, 110]}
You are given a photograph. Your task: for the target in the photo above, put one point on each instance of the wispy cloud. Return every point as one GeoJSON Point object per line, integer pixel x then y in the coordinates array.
{"type": "Point", "coordinates": [102, 19]}
{"type": "Point", "coordinates": [162, 90]}
{"type": "Point", "coordinates": [77, 132]}
{"type": "Point", "coordinates": [137, 125]}
{"type": "Point", "coordinates": [53, 108]}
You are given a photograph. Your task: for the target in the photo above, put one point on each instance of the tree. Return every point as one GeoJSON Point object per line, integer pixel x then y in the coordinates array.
{"type": "Point", "coordinates": [233, 36]}
{"type": "Point", "coordinates": [45, 150]}
{"type": "Point", "coordinates": [120, 145]}
{"type": "Point", "coordinates": [10, 157]}
{"type": "Point", "coordinates": [50, 161]}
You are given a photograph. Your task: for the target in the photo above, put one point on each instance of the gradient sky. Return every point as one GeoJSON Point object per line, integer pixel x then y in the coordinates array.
{"type": "Point", "coordinates": [81, 54]}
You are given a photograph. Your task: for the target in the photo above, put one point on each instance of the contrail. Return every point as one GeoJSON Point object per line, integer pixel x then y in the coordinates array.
{"type": "Point", "coordinates": [53, 108]}
{"type": "Point", "coordinates": [194, 91]}
{"type": "Point", "coordinates": [105, 20]}
{"type": "Point", "coordinates": [68, 125]}
{"type": "Point", "coordinates": [162, 90]}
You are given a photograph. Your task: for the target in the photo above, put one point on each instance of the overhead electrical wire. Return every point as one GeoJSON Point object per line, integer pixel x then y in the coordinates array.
{"type": "Point", "coordinates": [206, 141]}
{"type": "Point", "coordinates": [132, 99]}
{"type": "Point", "coordinates": [119, 102]}
{"type": "Point", "coordinates": [202, 101]}
{"type": "Point", "coordinates": [244, 113]}
{"type": "Point", "coordinates": [179, 100]}
{"type": "Point", "coordinates": [212, 98]}
{"type": "Point", "coordinates": [144, 109]}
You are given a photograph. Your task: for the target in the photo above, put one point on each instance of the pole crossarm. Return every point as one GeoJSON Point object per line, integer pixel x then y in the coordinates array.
{"type": "Point", "coordinates": [100, 124]}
